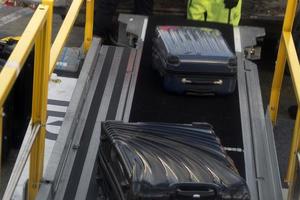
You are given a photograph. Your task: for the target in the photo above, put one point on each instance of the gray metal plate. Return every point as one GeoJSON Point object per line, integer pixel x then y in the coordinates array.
{"type": "Point", "coordinates": [262, 171]}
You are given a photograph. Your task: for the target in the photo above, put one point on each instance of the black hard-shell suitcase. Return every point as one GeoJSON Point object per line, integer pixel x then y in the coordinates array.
{"type": "Point", "coordinates": [157, 161]}
{"type": "Point", "coordinates": [193, 60]}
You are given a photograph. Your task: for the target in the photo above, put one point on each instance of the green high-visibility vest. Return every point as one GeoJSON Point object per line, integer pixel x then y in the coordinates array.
{"type": "Point", "coordinates": [215, 10]}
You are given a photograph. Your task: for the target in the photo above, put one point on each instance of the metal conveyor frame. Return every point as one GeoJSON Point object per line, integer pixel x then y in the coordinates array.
{"type": "Point", "coordinates": [71, 172]}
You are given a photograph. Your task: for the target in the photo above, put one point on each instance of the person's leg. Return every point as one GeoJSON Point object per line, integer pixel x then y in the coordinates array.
{"type": "Point", "coordinates": [103, 15]}
{"type": "Point", "coordinates": [143, 7]}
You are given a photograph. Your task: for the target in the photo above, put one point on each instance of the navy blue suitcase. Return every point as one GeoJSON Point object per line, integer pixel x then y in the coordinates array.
{"type": "Point", "coordinates": [193, 60]}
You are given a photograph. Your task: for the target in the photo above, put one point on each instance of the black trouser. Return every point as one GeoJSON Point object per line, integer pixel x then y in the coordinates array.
{"type": "Point", "coordinates": [105, 10]}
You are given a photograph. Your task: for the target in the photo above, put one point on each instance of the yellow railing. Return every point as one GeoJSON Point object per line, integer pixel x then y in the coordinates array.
{"type": "Point", "coordinates": [287, 52]}
{"type": "Point", "coordinates": [38, 34]}
{"type": "Point", "coordinates": [66, 28]}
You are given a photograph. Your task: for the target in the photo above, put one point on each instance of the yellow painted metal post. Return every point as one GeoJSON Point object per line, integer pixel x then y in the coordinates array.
{"type": "Point", "coordinates": [89, 22]}
{"type": "Point", "coordinates": [294, 150]}
{"type": "Point", "coordinates": [281, 60]}
{"type": "Point", "coordinates": [277, 81]}
{"type": "Point", "coordinates": [295, 75]}
{"type": "Point", "coordinates": [293, 62]}
{"type": "Point", "coordinates": [50, 4]}
{"type": "Point", "coordinates": [39, 105]}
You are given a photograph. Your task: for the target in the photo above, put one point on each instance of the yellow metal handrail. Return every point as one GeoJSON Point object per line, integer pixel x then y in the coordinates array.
{"type": "Point", "coordinates": [66, 28]}
{"type": "Point", "coordinates": [38, 33]}
{"type": "Point", "coordinates": [17, 59]}
{"type": "Point", "coordinates": [287, 52]}
{"type": "Point", "coordinates": [89, 20]}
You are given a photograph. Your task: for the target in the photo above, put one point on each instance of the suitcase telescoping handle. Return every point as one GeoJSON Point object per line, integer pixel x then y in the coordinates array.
{"type": "Point", "coordinates": [202, 82]}
{"type": "Point", "coordinates": [196, 191]}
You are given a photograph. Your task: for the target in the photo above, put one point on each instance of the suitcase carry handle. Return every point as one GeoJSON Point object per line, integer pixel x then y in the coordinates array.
{"type": "Point", "coordinates": [196, 191]}
{"type": "Point", "coordinates": [204, 82]}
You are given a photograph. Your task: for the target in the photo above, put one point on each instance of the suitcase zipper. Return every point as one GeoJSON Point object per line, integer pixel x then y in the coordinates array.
{"type": "Point", "coordinates": [204, 82]}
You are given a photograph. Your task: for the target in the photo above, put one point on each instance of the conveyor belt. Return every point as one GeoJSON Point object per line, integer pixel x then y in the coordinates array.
{"type": "Point", "coordinates": [114, 84]}
{"type": "Point", "coordinates": [152, 103]}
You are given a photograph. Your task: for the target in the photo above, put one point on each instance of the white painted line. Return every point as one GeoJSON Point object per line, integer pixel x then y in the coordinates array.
{"type": "Point", "coordinates": [14, 16]}
{"type": "Point", "coordinates": [237, 39]}
{"type": "Point", "coordinates": [233, 149]}
{"type": "Point", "coordinates": [52, 119]}
{"type": "Point", "coordinates": [61, 88]}
{"type": "Point", "coordinates": [143, 35]}
{"type": "Point", "coordinates": [53, 129]}
{"type": "Point", "coordinates": [57, 108]}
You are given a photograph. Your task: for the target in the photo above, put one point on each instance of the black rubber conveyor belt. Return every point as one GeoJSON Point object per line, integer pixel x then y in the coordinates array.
{"type": "Point", "coordinates": [152, 103]}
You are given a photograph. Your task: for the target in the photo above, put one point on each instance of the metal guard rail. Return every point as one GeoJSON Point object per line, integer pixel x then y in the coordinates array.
{"type": "Point", "coordinates": [287, 52]}
{"type": "Point", "coordinates": [38, 34]}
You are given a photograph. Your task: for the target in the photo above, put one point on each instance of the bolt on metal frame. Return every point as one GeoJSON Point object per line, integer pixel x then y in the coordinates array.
{"type": "Point", "coordinates": [287, 52]}
{"type": "Point", "coordinates": [38, 34]}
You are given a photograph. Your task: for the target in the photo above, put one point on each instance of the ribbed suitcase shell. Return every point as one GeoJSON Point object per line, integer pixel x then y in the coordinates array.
{"type": "Point", "coordinates": [194, 60]}
{"type": "Point", "coordinates": [167, 161]}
